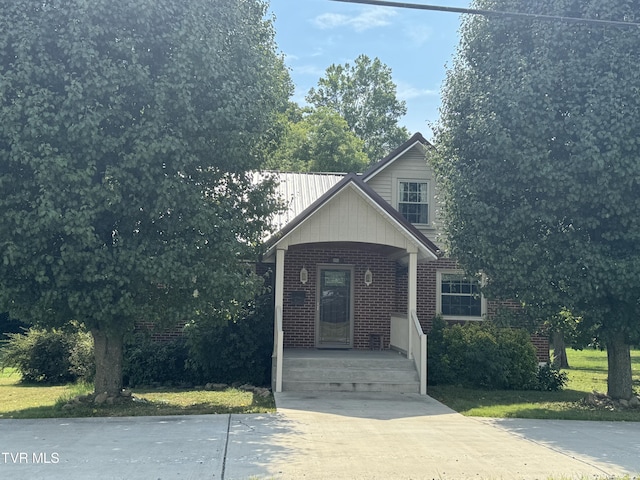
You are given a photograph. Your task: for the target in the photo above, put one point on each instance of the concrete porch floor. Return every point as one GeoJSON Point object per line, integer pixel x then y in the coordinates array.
{"type": "Point", "coordinates": [341, 353]}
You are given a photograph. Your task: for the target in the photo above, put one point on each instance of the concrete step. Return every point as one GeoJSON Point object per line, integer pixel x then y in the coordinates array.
{"type": "Point", "coordinates": [386, 362]}
{"type": "Point", "coordinates": [392, 387]}
{"type": "Point", "coordinates": [348, 371]}
{"type": "Point", "coordinates": [351, 374]}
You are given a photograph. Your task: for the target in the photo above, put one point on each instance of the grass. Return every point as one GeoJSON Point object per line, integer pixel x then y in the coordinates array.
{"type": "Point", "coordinates": [588, 373]}
{"type": "Point", "coordinates": [35, 401]}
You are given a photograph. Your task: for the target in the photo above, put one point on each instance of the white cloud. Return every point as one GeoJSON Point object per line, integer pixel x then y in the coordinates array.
{"type": "Point", "coordinates": [419, 34]}
{"type": "Point", "coordinates": [406, 91]}
{"type": "Point", "coordinates": [365, 20]}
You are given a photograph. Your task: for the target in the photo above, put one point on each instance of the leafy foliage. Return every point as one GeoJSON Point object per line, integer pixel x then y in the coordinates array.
{"type": "Point", "coordinates": [365, 96]}
{"type": "Point", "coordinates": [220, 349]}
{"type": "Point", "coordinates": [235, 351]}
{"type": "Point", "coordinates": [538, 153]}
{"type": "Point", "coordinates": [10, 325]}
{"type": "Point", "coordinates": [318, 140]}
{"type": "Point", "coordinates": [127, 131]}
{"type": "Point", "coordinates": [50, 356]}
{"type": "Point", "coordinates": [550, 378]}
{"type": "Point", "coordinates": [481, 355]}
{"type": "Point", "coordinates": [148, 362]}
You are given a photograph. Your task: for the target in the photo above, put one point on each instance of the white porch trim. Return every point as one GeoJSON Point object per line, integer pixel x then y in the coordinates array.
{"type": "Point", "coordinates": [278, 334]}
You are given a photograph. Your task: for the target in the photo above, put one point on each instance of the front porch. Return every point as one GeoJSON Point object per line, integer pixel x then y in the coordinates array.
{"type": "Point", "coordinates": [342, 267]}
{"type": "Point", "coordinates": [348, 371]}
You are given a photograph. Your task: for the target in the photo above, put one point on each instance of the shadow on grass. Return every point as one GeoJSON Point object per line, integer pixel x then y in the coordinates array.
{"type": "Point", "coordinates": [483, 398]}
{"type": "Point", "coordinates": [562, 405]}
{"type": "Point", "coordinates": [140, 406]}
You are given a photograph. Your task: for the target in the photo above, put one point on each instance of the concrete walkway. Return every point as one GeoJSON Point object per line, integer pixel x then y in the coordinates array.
{"type": "Point", "coordinates": [319, 436]}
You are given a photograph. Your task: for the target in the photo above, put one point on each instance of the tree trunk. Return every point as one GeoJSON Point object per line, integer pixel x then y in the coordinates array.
{"type": "Point", "coordinates": [108, 348]}
{"type": "Point", "coordinates": [619, 381]}
{"type": "Point", "coordinates": [559, 350]}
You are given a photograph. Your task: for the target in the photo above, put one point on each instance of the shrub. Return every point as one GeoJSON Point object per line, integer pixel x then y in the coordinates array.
{"type": "Point", "coordinates": [50, 356]}
{"type": "Point", "coordinates": [148, 362]}
{"type": "Point", "coordinates": [439, 368]}
{"type": "Point", "coordinates": [236, 350]}
{"type": "Point", "coordinates": [213, 349]}
{"type": "Point", "coordinates": [550, 379]}
{"type": "Point", "coordinates": [481, 355]}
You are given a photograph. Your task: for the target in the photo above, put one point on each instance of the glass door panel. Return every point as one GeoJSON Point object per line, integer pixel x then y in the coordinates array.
{"type": "Point", "coordinates": [334, 307]}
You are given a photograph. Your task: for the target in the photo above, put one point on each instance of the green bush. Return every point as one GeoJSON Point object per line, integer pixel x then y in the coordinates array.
{"type": "Point", "coordinates": [481, 355]}
{"type": "Point", "coordinates": [439, 368]}
{"type": "Point", "coordinates": [50, 356]}
{"type": "Point", "coordinates": [211, 350]}
{"type": "Point", "coordinates": [149, 362]}
{"type": "Point", "coordinates": [233, 351]}
{"type": "Point", "coordinates": [550, 379]}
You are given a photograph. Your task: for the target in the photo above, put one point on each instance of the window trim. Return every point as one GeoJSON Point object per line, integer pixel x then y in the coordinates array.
{"type": "Point", "coordinates": [483, 300]}
{"type": "Point", "coordinates": [428, 203]}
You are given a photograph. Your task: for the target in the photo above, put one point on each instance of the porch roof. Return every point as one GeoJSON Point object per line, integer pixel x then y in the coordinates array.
{"type": "Point", "coordinates": [351, 211]}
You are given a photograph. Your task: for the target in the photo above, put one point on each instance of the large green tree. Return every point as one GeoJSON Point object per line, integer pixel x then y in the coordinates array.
{"type": "Point", "coordinates": [365, 96]}
{"type": "Point", "coordinates": [126, 132]}
{"type": "Point", "coordinates": [539, 151]}
{"type": "Point", "coordinates": [317, 140]}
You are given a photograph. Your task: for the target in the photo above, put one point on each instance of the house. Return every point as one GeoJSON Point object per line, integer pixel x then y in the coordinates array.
{"type": "Point", "coordinates": [357, 265]}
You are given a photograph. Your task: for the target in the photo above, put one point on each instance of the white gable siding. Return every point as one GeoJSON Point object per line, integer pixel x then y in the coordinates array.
{"type": "Point", "coordinates": [348, 217]}
{"type": "Point", "coordinates": [413, 166]}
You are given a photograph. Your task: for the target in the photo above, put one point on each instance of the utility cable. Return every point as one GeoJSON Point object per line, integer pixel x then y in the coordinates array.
{"type": "Point", "coordinates": [493, 13]}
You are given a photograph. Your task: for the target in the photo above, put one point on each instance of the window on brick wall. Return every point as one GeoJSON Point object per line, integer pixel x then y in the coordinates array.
{"type": "Point", "coordinates": [413, 201]}
{"type": "Point", "coordinates": [459, 296]}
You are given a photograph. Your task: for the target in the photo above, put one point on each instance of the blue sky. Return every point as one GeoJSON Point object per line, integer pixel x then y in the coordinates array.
{"type": "Point", "coordinates": [415, 44]}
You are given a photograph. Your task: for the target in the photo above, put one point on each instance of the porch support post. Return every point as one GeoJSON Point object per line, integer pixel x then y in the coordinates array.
{"type": "Point", "coordinates": [412, 293]}
{"type": "Point", "coordinates": [278, 333]}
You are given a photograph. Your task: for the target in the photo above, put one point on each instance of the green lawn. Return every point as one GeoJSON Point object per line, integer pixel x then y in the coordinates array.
{"type": "Point", "coordinates": [34, 401]}
{"type": "Point", "coordinates": [588, 372]}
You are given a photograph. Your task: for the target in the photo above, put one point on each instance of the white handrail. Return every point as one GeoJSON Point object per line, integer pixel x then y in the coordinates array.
{"type": "Point", "coordinates": [278, 348]}
{"type": "Point", "coordinates": [418, 349]}
{"type": "Point", "coordinates": [399, 333]}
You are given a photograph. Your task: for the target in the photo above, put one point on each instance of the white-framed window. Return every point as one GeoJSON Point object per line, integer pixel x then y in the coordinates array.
{"type": "Point", "coordinates": [413, 201]}
{"type": "Point", "coordinates": [459, 297]}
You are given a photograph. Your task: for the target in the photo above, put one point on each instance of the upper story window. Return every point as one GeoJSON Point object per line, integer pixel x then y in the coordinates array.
{"type": "Point", "coordinates": [459, 296]}
{"type": "Point", "coordinates": [413, 201]}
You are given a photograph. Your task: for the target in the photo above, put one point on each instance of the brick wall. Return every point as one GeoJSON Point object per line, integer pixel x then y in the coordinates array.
{"type": "Point", "coordinates": [160, 334]}
{"type": "Point", "coordinates": [427, 293]}
{"type": "Point", "coordinates": [373, 304]}
{"type": "Point", "coordinates": [426, 304]}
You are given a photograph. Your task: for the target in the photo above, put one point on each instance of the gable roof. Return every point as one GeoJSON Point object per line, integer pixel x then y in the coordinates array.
{"type": "Point", "coordinates": [426, 248]}
{"type": "Point", "coordinates": [298, 191]}
{"type": "Point", "coordinates": [416, 140]}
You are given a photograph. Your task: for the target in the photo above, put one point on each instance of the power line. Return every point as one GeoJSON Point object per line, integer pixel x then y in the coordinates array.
{"type": "Point", "coordinates": [492, 13]}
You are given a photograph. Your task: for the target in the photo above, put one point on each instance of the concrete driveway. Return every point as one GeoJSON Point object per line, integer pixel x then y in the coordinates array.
{"type": "Point", "coordinates": [319, 436]}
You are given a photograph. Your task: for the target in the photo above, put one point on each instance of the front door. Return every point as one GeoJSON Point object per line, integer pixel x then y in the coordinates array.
{"type": "Point", "coordinates": [335, 307]}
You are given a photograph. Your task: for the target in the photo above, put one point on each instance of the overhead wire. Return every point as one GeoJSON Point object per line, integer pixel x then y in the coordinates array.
{"type": "Point", "coordinates": [493, 13]}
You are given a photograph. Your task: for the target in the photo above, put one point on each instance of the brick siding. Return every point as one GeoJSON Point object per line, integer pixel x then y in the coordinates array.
{"type": "Point", "coordinates": [374, 303]}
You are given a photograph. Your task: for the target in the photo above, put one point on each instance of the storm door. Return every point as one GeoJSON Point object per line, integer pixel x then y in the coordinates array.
{"type": "Point", "coordinates": [334, 307]}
